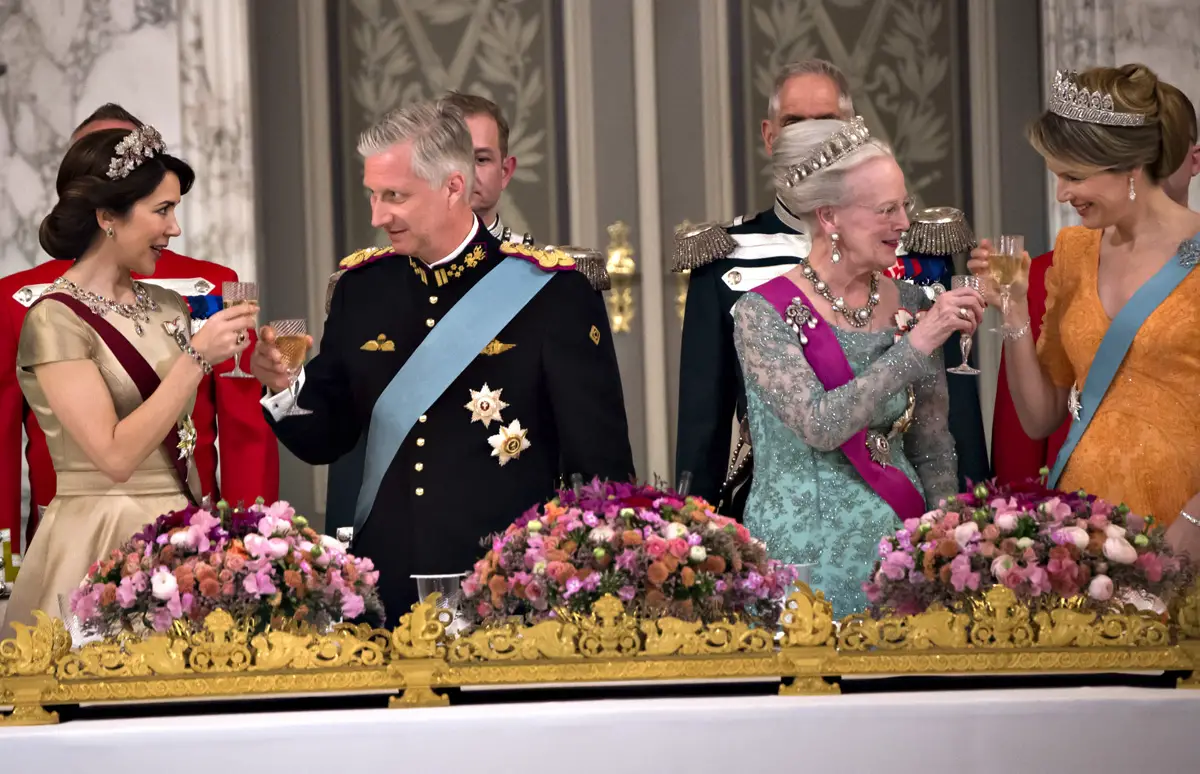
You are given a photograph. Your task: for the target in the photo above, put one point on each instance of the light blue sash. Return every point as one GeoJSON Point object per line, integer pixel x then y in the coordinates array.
{"type": "Point", "coordinates": [444, 354]}
{"type": "Point", "coordinates": [1113, 348]}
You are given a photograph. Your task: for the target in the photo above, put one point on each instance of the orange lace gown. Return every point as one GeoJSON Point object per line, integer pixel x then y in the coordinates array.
{"type": "Point", "coordinates": [1142, 447]}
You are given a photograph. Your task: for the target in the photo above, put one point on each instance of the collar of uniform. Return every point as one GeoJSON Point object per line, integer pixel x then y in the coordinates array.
{"type": "Point", "coordinates": [470, 254]}
{"type": "Point", "coordinates": [497, 227]}
{"type": "Point", "coordinates": [787, 217]}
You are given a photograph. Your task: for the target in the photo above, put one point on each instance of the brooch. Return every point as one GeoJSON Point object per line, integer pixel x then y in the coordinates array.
{"type": "Point", "coordinates": [799, 316]}
{"type": "Point", "coordinates": [485, 405]}
{"type": "Point", "coordinates": [509, 442]}
{"type": "Point", "coordinates": [187, 437]}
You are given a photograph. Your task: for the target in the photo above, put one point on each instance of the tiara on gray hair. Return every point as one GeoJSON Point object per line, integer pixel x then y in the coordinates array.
{"type": "Point", "coordinates": [851, 136]}
{"type": "Point", "coordinates": [1071, 100]}
{"type": "Point", "coordinates": [137, 146]}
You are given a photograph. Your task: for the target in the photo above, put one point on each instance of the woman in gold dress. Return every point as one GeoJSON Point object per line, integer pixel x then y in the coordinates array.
{"type": "Point", "coordinates": [1118, 348]}
{"type": "Point", "coordinates": [106, 363]}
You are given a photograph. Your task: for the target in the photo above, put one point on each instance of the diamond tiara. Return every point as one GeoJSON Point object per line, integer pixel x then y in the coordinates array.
{"type": "Point", "coordinates": [842, 143]}
{"type": "Point", "coordinates": [1070, 100]}
{"type": "Point", "coordinates": [135, 148]}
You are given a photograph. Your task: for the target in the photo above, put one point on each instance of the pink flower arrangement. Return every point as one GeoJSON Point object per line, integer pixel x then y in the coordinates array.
{"type": "Point", "coordinates": [1043, 544]}
{"type": "Point", "coordinates": [262, 564]}
{"type": "Point", "coordinates": [659, 552]}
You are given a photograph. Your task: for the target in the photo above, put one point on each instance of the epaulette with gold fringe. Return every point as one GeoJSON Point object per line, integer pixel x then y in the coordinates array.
{"type": "Point", "coordinates": [697, 246]}
{"type": "Point", "coordinates": [589, 263]}
{"type": "Point", "coordinates": [352, 261]}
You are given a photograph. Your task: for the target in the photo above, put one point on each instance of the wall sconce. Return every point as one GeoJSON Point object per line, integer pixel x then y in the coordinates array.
{"type": "Point", "coordinates": [682, 278]}
{"type": "Point", "coordinates": [622, 270]}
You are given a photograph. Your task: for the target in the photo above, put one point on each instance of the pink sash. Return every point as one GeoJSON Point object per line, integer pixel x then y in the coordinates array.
{"type": "Point", "coordinates": [140, 371]}
{"type": "Point", "coordinates": [829, 363]}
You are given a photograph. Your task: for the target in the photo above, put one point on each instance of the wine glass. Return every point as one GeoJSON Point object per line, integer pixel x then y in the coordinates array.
{"type": "Point", "coordinates": [1004, 267]}
{"type": "Point", "coordinates": [450, 588]}
{"type": "Point", "coordinates": [232, 294]}
{"type": "Point", "coordinates": [291, 337]}
{"type": "Point", "coordinates": [964, 341]}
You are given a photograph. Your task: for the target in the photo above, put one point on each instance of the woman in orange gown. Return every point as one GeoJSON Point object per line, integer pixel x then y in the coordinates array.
{"type": "Point", "coordinates": [1111, 136]}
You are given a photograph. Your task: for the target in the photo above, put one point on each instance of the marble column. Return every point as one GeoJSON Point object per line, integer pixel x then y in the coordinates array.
{"type": "Point", "coordinates": [1162, 34]}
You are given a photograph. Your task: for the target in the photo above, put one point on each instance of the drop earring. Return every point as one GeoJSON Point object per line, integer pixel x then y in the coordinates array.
{"type": "Point", "coordinates": [1132, 192]}
{"type": "Point", "coordinates": [109, 232]}
{"type": "Point", "coordinates": [836, 255]}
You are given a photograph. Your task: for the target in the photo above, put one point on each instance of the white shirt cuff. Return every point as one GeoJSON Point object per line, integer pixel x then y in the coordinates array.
{"type": "Point", "coordinates": [281, 402]}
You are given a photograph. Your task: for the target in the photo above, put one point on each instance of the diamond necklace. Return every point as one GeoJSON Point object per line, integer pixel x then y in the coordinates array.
{"type": "Point", "coordinates": [857, 317]}
{"type": "Point", "coordinates": [138, 311]}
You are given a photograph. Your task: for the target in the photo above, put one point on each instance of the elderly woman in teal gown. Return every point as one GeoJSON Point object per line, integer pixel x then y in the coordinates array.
{"type": "Point", "coordinates": [846, 391]}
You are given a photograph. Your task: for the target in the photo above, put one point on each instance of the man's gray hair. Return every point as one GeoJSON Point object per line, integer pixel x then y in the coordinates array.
{"type": "Point", "coordinates": [812, 67]}
{"type": "Point", "coordinates": [825, 187]}
{"type": "Point", "coordinates": [441, 141]}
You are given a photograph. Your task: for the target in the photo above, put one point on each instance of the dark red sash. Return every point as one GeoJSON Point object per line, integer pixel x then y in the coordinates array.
{"type": "Point", "coordinates": [140, 371]}
{"type": "Point", "coordinates": [829, 363]}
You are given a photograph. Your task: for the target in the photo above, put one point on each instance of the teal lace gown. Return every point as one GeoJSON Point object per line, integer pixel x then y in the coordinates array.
{"type": "Point", "coordinates": [807, 502]}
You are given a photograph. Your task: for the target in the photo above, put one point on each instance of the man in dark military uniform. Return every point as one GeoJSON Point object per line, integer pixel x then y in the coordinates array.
{"type": "Point", "coordinates": [494, 169]}
{"type": "Point", "coordinates": [767, 245]}
{"type": "Point", "coordinates": [482, 373]}
{"type": "Point", "coordinates": [933, 239]}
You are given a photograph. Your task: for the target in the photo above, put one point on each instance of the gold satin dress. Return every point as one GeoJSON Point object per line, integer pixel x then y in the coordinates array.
{"type": "Point", "coordinates": [1142, 447]}
{"type": "Point", "coordinates": [90, 514]}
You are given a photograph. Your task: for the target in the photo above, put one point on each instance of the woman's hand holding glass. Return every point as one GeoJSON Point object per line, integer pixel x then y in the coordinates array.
{"type": "Point", "coordinates": [224, 334]}
{"type": "Point", "coordinates": [958, 310]}
{"type": "Point", "coordinates": [1004, 278]}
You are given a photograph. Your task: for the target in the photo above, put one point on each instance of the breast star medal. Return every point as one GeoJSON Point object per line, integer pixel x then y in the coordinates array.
{"type": "Point", "coordinates": [1074, 405]}
{"type": "Point", "coordinates": [509, 442]}
{"type": "Point", "coordinates": [187, 437]}
{"type": "Point", "coordinates": [485, 405]}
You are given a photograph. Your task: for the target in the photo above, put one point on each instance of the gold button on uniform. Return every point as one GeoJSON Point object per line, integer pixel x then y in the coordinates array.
{"type": "Point", "coordinates": [422, 419]}
{"type": "Point", "coordinates": [429, 323]}
{"type": "Point", "coordinates": [419, 466]}
{"type": "Point", "coordinates": [420, 492]}
{"type": "Point", "coordinates": [433, 299]}
{"type": "Point", "coordinates": [420, 442]}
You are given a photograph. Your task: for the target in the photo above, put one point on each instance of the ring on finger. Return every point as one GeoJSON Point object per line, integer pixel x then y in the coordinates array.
{"type": "Point", "coordinates": [241, 338]}
{"type": "Point", "coordinates": [963, 313]}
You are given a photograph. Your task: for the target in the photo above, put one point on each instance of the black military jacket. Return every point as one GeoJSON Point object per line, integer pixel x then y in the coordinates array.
{"type": "Point", "coordinates": [554, 366]}
{"type": "Point", "coordinates": [710, 378]}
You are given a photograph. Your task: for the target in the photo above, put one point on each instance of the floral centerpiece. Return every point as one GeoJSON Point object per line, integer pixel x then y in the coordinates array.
{"type": "Point", "coordinates": [263, 564]}
{"type": "Point", "coordinates": [1045, 545]}
{"type": "Point", "coordinates": [658, 552]}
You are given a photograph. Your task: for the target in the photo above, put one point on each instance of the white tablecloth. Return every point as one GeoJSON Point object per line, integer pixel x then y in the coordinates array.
{"type": "Point", "coordinates": [1092, 730]}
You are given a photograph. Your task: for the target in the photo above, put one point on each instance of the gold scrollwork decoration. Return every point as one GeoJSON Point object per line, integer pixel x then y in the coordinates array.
{"type": "Point", "coordinates": [622, 271]}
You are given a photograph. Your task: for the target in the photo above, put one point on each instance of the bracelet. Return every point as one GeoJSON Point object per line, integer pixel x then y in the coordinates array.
{"type": "Point", "coordinates": [175, 330]}
{"type": "Point", "coordinates": [1195, 522]}
{"type": "Point", "coordinates": [1010, 335]}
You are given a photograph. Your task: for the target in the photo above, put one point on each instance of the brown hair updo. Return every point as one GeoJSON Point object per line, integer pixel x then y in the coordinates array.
{"type": "Point", "coordinates": [1158, 146]}
{"type": "Point", "coordinates": [84, 187]}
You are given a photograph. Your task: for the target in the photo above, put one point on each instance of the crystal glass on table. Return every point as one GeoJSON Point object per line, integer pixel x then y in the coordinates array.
{"type": "Point", "coordinates": [964, 341]}
{"type": "Point", "coordinates": [232, 294]}
{"type": "Point", "coordinates": [291, 337]}
{"type": "Point", "coordinates": [450, 588]}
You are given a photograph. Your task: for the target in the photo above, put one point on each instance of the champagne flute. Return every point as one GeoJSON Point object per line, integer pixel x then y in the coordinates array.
{"type": "Point", "coordinates": [232, 294]}
{"type": "Point", "coordinates": [1004, 267]}
{"type": "Point", "coordinates": [964, 341]}
{"type": "Point", "coordinates": [291, 337]}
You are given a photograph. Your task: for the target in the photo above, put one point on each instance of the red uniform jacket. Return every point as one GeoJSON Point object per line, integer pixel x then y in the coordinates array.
{"type": "Point", "coordinates": [249, 456]}
{"type": "Point", "coordinates": [1016, 456]}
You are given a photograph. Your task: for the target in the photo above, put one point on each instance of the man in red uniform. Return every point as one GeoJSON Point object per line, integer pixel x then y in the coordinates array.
{"type": "Point", "coordinates": [1016, 456]}
{"type": "Point", "coordinates": [249, 457]}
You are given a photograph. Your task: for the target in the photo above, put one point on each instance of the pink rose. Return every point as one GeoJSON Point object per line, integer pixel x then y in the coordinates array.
{"type": "Point", "coordinates": [656, 547]}
{"type": "Point", "coordinates": [991, 533]}
{"type": "Point", "coordinates": [352, 605]}
{"type": "Point", "coordinates": [1151, 565]}
{"type": "Point", "coordinates": [1101, 588]}
{"type": "Point", "coordinates": [951, 520]}
{"type": "Point", "coordinates": [679, 548]}
{"type": "Point", "coordinates": [483, 609]}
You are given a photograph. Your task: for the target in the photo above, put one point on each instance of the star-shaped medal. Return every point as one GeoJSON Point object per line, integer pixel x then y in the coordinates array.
{"type": "Point", "coordinates": [486, 405]}
{"type": "Point", "coordinates": [187, 437]}
{"type": "Point", "coordinates": [509, 442]}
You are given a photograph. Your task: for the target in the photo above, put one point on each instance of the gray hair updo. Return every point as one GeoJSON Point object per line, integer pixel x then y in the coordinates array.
{"type": "Point", "coordinates": [827, 186]}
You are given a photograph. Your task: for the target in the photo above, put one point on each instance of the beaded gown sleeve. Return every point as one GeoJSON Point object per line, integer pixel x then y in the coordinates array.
{"type": "Point", "coordinates": [777, 371]}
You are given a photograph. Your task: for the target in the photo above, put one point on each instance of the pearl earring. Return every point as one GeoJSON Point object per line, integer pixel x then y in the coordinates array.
{"type": "Point", "coordinates": [1132, 193]}
{"type": "Point", "coordinates": [837, 255]}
